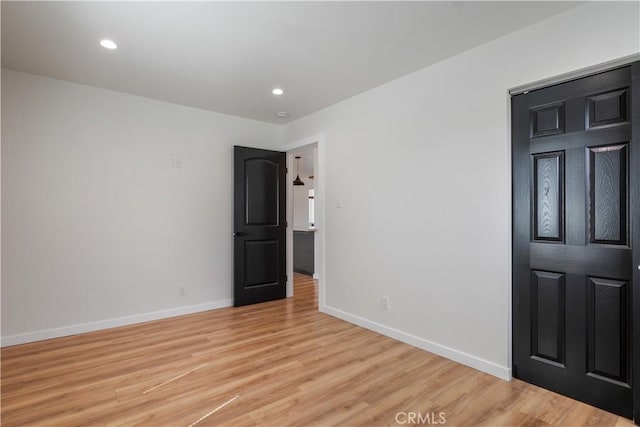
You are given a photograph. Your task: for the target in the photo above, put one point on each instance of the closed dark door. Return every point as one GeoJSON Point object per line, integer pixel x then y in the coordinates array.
{"type": "Point", "coordinates": [576, 232]}
{"type": "Point", "coordinates": [260, 225]}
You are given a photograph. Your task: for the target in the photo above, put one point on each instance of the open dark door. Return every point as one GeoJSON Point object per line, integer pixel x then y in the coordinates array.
{"type": "Point", "coordinates": [259, 225]}
{"type": "Point", "coordinates": [576, 239]}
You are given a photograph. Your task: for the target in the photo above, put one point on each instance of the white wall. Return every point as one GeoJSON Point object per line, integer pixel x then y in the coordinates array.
{"type": "Point", "coordinates": [301, 206]}
{"type": "Point", "coordinates": [426, 216]}
{"type": "Point", "coordinates": [96, 224]}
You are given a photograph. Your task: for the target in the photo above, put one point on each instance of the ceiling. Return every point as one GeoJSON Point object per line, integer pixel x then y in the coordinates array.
{"type": "Point", "coordinates": [228, 56]}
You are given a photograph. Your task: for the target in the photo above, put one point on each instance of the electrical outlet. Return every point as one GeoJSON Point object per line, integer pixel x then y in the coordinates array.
{"type": "Point", "coordinates": [384, 303]}
{"type": "Point", "coordinates": [182, 290]}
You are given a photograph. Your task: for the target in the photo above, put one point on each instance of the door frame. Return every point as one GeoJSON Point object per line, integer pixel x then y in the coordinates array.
{"type": "Point", "coordinates": [631, 60]}
{"type": "Point", "coordinates": [315, 141]}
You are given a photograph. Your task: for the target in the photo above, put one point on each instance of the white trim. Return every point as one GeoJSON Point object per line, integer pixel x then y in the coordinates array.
{"type": "Point", "coordinates": [508, 279]}
{"type": "Point", "coordinates": [296, 145]}
{"type": "Point", "coordinates": [577, 74]}
{"type": "Point", "coordinates": [81, 328]}
{"type": "Point", "coordinates": [467, 359]}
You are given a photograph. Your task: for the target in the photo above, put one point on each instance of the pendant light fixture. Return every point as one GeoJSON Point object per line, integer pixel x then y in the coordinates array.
{"type": "Point", "coordinates": [298, 181]}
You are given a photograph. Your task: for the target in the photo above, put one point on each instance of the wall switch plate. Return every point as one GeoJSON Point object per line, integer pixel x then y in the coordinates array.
{"type": "Point", "coordinates": [384, 303]}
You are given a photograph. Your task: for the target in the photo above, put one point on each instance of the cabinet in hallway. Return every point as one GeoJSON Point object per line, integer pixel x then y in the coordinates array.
{"type": "Point", "coordinates": [303, 252]}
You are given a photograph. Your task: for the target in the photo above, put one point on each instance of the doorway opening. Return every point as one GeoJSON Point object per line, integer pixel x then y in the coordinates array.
{"type": "Point", "coordinates": [303, 220]}
{"type": "Point", "coordinates": [305, 231]}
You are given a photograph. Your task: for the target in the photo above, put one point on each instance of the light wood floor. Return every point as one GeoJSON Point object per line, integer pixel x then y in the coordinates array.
{"type": "Point", "coordinates": [274, 364]}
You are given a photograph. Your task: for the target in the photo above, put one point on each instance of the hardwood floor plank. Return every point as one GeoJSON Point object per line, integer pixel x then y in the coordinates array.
{"type": "Point", "coordinates": [288, 365]}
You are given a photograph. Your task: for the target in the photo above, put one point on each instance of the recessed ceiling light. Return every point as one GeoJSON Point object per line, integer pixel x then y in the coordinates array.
{"type": "Point", "coordinates": [277, 91]}
{"type": "Point", "coordinates": [282, 115]}
{"type": "Point", "coordinates": [108, 44]}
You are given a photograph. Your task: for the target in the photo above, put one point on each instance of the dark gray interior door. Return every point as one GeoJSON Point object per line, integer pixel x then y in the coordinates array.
{"type": "Point", "coordinates": [576, 301]}
{"type": "Point", "coordinates": [259, 225]}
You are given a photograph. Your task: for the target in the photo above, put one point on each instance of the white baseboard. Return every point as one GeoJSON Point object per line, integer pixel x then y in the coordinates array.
{"type": "Point", "coordinates": [491, 368]}
{"type": "Point", "coordinates": [81, 328]}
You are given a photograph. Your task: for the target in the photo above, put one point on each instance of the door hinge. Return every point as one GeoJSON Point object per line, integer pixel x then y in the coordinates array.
{"type": "Point", "coordinates": [286, 279]}
{"type": "Point", "coordinates": [286, 170]}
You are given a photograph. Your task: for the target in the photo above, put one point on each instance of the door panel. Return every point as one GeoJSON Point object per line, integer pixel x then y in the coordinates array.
{"type": "Point", "coordinates": [547, 120]}
{"type": "Point", "coordinates": [548, 193]}
{"type": "Point", "coordinates": [260, 225]}
{"type": "Point", "coordinates": [608, 335]}
{"type": "Point", "coordinates": [547, 316]}
{"type": "Point", "coordinates": [573, 237]}
{"type": "Point", "coordinates": [607, 108]}
{"type": "Point", "coordinates": [608, 194]}
{"type": "Point", "coordinates": [261, 198]}
{"type": "Point", "coordinates": [261, 262]}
